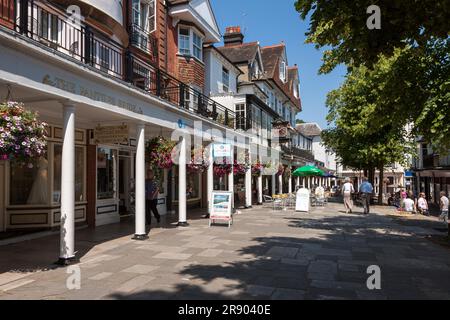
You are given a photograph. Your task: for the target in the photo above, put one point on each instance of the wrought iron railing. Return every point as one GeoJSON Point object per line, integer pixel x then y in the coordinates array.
{"type": "Point", "coordinates": [161, 84]}
{"type": "Point", "coordinates": [84, 44]}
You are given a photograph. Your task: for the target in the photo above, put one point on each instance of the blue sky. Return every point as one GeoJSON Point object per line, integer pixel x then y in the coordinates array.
{"type": "Point", "coordinates": [271, 22]}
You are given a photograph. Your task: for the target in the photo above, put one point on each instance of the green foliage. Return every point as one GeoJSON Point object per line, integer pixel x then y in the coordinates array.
{"type": "Point", "coordinates": [341, 26]}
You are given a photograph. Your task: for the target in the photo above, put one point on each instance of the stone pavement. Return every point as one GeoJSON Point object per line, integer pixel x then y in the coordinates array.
{"type": "Point", "coordinates": [266, 254]}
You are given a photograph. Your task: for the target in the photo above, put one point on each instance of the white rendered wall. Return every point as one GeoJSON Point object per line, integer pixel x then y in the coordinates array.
{"type": "Point", "coordinates": [112, 8]}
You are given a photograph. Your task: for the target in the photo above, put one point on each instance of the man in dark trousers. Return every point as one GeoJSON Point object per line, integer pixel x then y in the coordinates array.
{"type": "Point", "coordinates": [366, 190]}
{"type": "Point", "coordinates": [151, 198]}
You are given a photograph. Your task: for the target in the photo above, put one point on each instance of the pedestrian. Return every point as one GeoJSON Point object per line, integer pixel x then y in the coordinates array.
{"type": "Point", "coordinates": [422, 204]}
{"type": "Point", "coordinates": [348, 189]}
{"type": "Point", "coordinates": [403, 195]}
{"type": "Point", "coordinates": [443, 203]}
{"type": "Point", "coordinates": [366, 190]}
{"type": "Point", "coordinates": [409, 204]}
{"type": "Point", "coordinates": [151, 198]}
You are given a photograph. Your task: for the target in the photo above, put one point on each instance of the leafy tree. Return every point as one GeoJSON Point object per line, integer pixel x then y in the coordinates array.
{"type": "Point", "coordinates": [340, 26]}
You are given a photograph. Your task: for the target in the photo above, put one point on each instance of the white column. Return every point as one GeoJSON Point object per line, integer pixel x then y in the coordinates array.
{"type": "Point", "coordinates": [67, 235]}
{"type": "Point", "coordinates": [248, 185]}
{"type": "Point", "coordinates": [260, 189]}
{"type": "Point", "coordinates": [182, 203]}
{"type": "Point", "coordinates": [273, 184]}
{"type": "Point", "coordinates": [140, 232]}
{"type": "Point", "coordinates": [290, 180]}
{"type": "Point", "coordinates": [297, 181]}
{"type": "Point", "coordinates": [210, 178]}
{"type": "Point", "coordinates": [280, 184]}
{"type": "Point", "coordinates": [231, 179]}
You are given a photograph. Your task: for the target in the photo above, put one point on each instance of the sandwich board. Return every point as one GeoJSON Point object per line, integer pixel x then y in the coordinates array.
{"type": "Point", "coordinates": [221, 208]}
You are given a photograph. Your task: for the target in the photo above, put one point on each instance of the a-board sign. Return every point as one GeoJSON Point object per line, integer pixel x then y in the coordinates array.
{"type": "Point", "coordinates": [221, 208]}
{"type": "Point", "coordinates": [302, 200]}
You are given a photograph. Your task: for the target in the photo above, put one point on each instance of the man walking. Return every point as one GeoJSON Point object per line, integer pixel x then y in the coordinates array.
{"type": "Point", "coordinates": [151, 198]}
{"type": "Point", "coordinates": [443, 204]}
{"type": "Point", "coordinates": [366, 190]}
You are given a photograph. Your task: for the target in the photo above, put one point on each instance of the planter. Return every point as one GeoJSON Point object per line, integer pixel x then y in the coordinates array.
{"type": "Point", "coordinates": [159, 152]}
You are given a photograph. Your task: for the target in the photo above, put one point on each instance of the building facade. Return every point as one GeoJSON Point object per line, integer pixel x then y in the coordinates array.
{"type": "Point", "coordinates": [107, 78]}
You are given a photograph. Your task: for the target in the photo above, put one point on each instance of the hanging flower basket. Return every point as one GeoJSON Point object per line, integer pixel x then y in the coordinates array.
{"type": "Point", "coordinates": [221, 170]}
{"type": "Point", "coordinates": [240, 168]}
{"type": "Point", "coordinates": [199, 162]}
{"type": "Point", "coordinates": [280, 170]}
{"type": "Point", "coordinates": [22, 136]}
{"type": "Point", "coordinates": [257, 169]}
{"type": "Point", "coordinates": [159, 152]}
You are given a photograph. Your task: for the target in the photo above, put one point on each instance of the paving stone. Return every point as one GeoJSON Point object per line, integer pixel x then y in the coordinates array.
{"type": "Point", "coordinates": [288, 294]}
{"type": "Point", "coordinates": [256, 290]}
{"type": "Point", "coordinates": [134, 284]}
{"type": "Point", "coordinates": [101, 276]}
{"type": "Point", "coordinates": [211, 253]}
{"type": "Point", "coordinates": [284, 252]}
{"type": "Point", "coordinates": [140, 269]}
{"type": "Point", "coordinates": [173, 256]}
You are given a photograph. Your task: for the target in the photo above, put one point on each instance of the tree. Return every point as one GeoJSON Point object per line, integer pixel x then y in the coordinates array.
{"type": "Point", "coordinates": [299, 121]}
{"type": "Point", "coordinates": [359, 136]}
{"type": "Point", "coordinates": [341, 25]}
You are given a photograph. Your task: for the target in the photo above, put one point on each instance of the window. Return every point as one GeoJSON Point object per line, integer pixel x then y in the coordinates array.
{"type": "Point", "coordinates": [198, 46]}
{"type": "Point", "coordinates": [190, 43]}
{"type": "Point", "coordinates": [240, 116]}
{"type": "Point", "coordinates": [225, 80]}
{"type": "Point", "coordinates": [79, 173]}
{"type": "Point", "coordinates": [283, 71]}
{"type": "Point", "coordinates": [48, 26]}
{"type": "Point", "coordinates": [184, 42]}
{"type": "Point", "coordinates": [144, 14]}
{"type": "Point", "coordinates": [193, 189]}
{"type": "Point", "coordinates": [29, 184]}
{"type": "Point", "coordinates": [106, 173]}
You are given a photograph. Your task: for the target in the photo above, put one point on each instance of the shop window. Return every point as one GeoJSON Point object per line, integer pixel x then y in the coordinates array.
{"type": "Point", "coordinates": [79, 173]}
{"type": "Point", "coordinates": [29, 183]}
{"type": "Point", "coordinates": [106, 173]}
{"type": "Point", "coordinates": [192, 186]}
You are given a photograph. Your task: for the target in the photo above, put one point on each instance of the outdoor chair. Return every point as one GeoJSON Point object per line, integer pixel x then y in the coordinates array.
{"type": "Point", "coordinates": [267, 200]}
{"type": "Point", "coordinates": [277, 202]}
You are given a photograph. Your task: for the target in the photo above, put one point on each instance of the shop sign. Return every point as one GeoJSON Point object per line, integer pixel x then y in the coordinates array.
{"type": "Point", "coordinates": [221, 206]}
{"type": "Point", "coordinates": [221, 150]}
{"type": "Point", "coordinates": [111, 134]}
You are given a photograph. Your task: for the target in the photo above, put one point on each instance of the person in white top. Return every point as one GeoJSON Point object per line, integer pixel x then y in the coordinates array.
{"type": "Point", "coordinates": [422, 204]}
{"type": "Point", "coordinates": [409, 204]}
{"type": "Point", "coordinates": [347, 190]}
{"type": "Point", "coordinates": [444, 207]}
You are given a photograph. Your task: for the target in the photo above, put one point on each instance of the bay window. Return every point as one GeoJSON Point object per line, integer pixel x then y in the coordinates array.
{"type": "Point", "coordinates": [190, 43]}
{"type": "Point", "coordinates": [144, 14]}
{"type": "Point", "coordinates": [283, 71]}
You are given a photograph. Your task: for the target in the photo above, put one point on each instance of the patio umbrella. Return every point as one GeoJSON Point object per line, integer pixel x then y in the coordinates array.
{"type": "Point", "coordinates": [307, 171]}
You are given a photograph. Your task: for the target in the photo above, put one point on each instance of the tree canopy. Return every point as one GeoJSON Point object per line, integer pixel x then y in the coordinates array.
{"type": "Point", "coordinates": [340, 27]}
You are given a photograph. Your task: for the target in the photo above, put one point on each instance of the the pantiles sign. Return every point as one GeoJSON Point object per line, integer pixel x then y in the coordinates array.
{"type": "Point", "coordinates": [89, 93]}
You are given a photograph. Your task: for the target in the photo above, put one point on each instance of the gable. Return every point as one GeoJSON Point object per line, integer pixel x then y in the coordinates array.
{"type": "Point", "coordinates": [204, 9]}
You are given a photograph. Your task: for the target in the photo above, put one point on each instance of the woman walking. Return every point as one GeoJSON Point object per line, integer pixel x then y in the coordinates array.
{"type": "Point", "coordinates": [347, 190]}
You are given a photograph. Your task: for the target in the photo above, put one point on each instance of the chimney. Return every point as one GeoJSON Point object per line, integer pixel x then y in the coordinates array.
{"type": "Point", "coordinates": [233, 36]}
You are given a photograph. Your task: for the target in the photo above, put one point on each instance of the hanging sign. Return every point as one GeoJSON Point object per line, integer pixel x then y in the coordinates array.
{"type": "Point", "coordinates": [221, 207]}
{"type": "Point", "coordinates": [111, 134]}
{"type": "Point", "coordinates": [221, 150]}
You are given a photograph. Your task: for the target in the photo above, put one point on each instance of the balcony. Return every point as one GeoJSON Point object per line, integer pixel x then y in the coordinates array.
{"type": "Point", "coordinates": [143, 40]}
{"type": "Point", "coordinates": [297, 152]}
{"type": "Point", "coordinates": [84, 45]}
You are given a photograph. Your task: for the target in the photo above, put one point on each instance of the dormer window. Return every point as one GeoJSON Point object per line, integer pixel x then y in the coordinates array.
{"type": "Point", "coordinates": [283, 71]}
{"type": "Point", "coordinates": [190, 43]}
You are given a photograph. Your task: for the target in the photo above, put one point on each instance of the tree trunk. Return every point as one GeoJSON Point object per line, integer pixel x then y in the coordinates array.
{"type": "Point", "coordinates": [381, 185]}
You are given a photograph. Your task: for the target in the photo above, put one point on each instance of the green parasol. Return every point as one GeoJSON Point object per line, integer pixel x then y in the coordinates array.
{"type": "Point", "coordinates": [307, 171]}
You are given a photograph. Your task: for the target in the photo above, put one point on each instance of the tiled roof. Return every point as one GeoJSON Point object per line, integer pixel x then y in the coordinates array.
{"type": "Point", "coordinates": [309, 129]}
{"type": "Point", "coordinates": [240, 53]}
{"type": "Point", "coordinates": [270, 56]}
